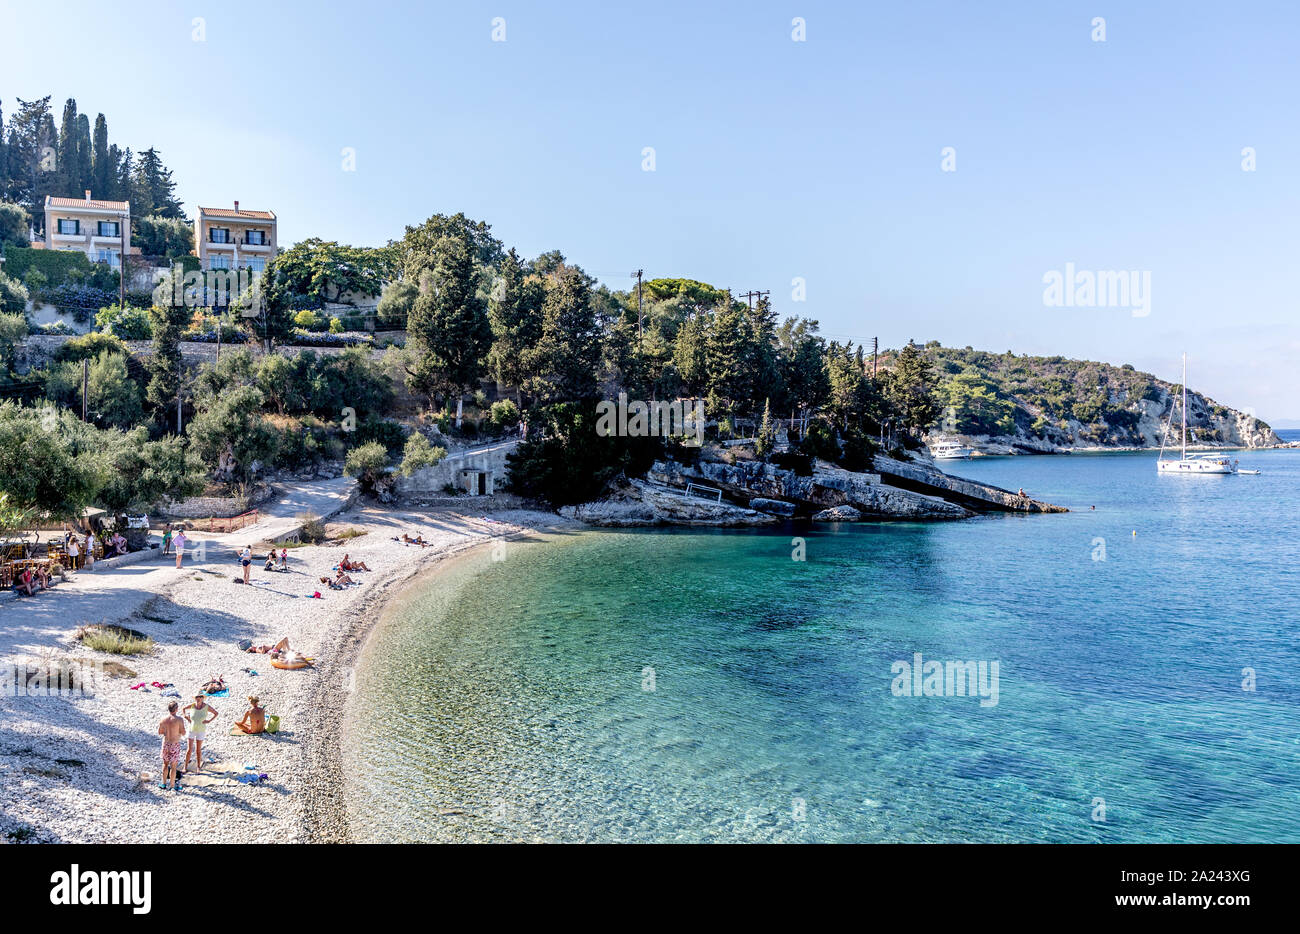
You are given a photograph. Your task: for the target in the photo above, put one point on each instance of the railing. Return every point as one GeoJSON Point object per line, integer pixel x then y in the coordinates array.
{"type": "Point", "coordinates": [234, 523]}
{"type": "Point", "coordinates": [694, 489]}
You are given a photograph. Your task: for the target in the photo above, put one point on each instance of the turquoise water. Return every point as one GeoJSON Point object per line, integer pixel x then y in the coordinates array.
{"type": "Point", "coordinates": [508, 699]}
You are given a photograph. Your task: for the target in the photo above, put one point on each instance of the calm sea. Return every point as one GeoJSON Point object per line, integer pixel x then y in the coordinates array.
{"type": "Point", "coordinates": [707, 686]}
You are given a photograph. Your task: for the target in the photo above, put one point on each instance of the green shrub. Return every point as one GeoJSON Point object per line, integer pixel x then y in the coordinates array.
{"type": "Point", "coordinates": [390, 434]}
{"type": "Point", "coordinates": [312, 530]}
{"type": "Point", "coordinates": [819, 441]}
{"type": "Point", "coordinates": [368, 463]}
{"type": "Point", "coordinates": [505, 414]}
{"type": "Point", "coordinates": [13, 296]}
{"type": "Point", "coordinates": [573, 464]}
{"type": "Point", "coordinates": [89, 346]}
{"type": "Point", "coordinates": [14, 223]}
{"type": "Point", "coordinates": [419, 453]}
{"type": "Point", "coordinates": [115, 640]}
{"type": "Point", "coordinates": [130, 324]}
{"type": "Point", "coordinates": [336, 326]}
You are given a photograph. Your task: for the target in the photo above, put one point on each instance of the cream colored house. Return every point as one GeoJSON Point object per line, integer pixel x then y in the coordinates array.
{"type": "Point", "coordinates": [99, 229]}
{"type": "Point", "coordinates": [234, 239]}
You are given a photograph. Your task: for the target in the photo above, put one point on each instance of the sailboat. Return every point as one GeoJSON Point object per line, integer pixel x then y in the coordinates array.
{"type": "Point", "coordinates": [1191, 463]}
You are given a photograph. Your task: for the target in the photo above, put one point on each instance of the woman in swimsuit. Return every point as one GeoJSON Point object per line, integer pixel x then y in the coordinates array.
{"type": "Point", "coordinates": [254, 719]}
{"type": "Point", "coordinates": [199, 721]}
{"type": "Point", "coordinates": [348, 565]}
{"type": "Point", "coordinates": [246, 558]}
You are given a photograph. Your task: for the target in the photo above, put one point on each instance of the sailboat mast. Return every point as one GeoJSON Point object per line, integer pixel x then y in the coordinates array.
{"type": "Point", "coordinates": [1184, 405]}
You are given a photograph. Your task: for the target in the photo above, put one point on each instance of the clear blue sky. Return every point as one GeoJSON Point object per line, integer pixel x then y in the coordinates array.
{"type": "Point", "coordinates": [774, 158]}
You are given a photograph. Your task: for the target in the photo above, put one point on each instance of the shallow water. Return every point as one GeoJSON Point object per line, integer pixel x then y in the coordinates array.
{"type": "Point", "coordinates": [703, 686]}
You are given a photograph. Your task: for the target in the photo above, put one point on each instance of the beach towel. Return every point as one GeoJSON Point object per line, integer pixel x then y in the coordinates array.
{"type": "Point", "coordinates": [245, 645]}
{"type": "Point", "coordinates": [236, 731]}
{"type": "Point", "coordinates": [224, 692]}
{"type": "Point", "coordinates": [215, 779]}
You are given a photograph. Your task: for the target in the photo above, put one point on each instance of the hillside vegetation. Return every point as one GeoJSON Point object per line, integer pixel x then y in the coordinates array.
{"type": "Point", "coordinates": [1053, 402]}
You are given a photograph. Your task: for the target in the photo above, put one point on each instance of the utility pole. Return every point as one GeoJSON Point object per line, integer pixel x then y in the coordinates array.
{"type": "Point", "coordinates": [753, 295]}
{"type": "Point", "coordinates": [85, 385]}
{"type": "Point", "coordinates": [638, 304]}
{"type": "Point", "coordinates": [875, 347]}
{"type": "Point", "coordinates": [121, 272]}
{"type": "Point", "coordinates": [178, 405]}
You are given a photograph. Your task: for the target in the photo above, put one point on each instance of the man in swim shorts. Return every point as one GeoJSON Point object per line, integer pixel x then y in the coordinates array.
{"type": "Point", "coordinates": [172, 730]}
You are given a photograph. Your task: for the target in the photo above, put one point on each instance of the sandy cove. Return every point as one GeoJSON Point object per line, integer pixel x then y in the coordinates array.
{"type": "Point", "coordinates": [73, 768]}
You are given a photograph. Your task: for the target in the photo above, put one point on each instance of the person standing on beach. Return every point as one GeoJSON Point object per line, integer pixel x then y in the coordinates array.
{"type": "Point", "coordinates": [179, 541]}
{"type": "Point", "coordinates": [167, 540]}
{"type": "Point", "coordinates": [172, 730]}
{"type": "Point", "coordinates": [246, 559]}
{"type": "Point", "coordinates": [74, 550]}
{"type": "Point", "coordinates": [90, 552]}
{"type": "Point", "coordinates": [199, 721]}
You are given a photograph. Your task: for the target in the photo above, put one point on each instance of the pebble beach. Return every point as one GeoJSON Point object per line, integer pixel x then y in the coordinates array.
{"type": "Point", "coordinates": [86, 769]}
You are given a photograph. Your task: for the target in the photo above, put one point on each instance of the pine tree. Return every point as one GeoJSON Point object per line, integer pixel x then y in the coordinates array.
{"type": "Point", "coordinates": [4, 158]}
{"type": "Point", "coordinates": [152, 188]}
{"type": "Point", "coordinates": [728, 353]}
{"type": "Point", "coordinates": [515, 313]}
{"type": "Point", "coordinates": [568, 356]}
{"type": "Point", "coordinates": [84, 157]}
{"type": "Point", "coordinates": [103, 181]}
{"type": "Point", "coordinates": [68, 159]}
{"type": "Point", "coordinates": [448, 323]}
{"type": "Point", "coordinates": [912, 390]}
{"type": "Point", "coordinates": [126, 180]}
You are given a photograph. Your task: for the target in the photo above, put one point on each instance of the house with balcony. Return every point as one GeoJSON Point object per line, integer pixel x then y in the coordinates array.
{"type": "Point", "coordinates": [234, 239]}
{"type": "Point", "coordinates": [100, 229]}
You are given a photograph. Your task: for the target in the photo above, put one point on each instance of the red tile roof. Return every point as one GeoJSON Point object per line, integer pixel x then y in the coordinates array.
{"type": "Point", "coordinates": [53, 202]}
{"type": "Point", "coordinates": [245, 215]}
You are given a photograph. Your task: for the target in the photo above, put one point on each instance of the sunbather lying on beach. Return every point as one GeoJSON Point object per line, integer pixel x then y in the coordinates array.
{"type": "Point", "coordinates": [343, 578]}
{"type": "Point", "coordinates": [418, 540]}
{"type": "Point", "coordinates": [331, 583]}
{"type": "Point", "coordinates": [348, 565]}
{"type": "Point", "coordinates": [254, 719]}
{"type": "Point", "coordinates": [215, 684]}
{"type": "Point", "coordinates": [272, 650]}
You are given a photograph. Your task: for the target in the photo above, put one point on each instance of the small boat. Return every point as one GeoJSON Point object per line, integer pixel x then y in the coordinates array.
{"type": "Point", "coordinates": [1249, 473]}
{"type": "Point", "coordinates": [1200, 464]}
{"type": "Point", "coordinates": [949, 450]}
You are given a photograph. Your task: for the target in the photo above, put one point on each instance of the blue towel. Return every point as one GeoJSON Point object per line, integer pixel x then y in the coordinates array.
{"type": "Point", "coordinates": [224, 692]}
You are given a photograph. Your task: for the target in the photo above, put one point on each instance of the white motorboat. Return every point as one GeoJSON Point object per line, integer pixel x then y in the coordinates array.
{"type": "Point", "coordinates": [1199, 464]}
{"type": "Point", "coordinates": [949, 450]}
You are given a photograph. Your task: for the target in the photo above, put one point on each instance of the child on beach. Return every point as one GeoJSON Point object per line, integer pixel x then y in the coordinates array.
{"type": "Point", "coordinates": [172, 730]}
{"type": "Point", "coordinates": [284, 559]}
{"type": "Point", "coordinates": [167, 540]}
{"type": "Point", "coordinates": [199, 721]}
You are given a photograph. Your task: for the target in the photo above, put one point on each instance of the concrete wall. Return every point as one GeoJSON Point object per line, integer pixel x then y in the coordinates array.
{"type": "Point", "coordinates": [455, 469]}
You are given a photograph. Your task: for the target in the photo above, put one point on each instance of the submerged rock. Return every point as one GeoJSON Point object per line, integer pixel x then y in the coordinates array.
{"type": "Point", "coordinates": [638, 503]}
{"type": "Point", "coordinates": [838, 514]}
{"type": "Point", "coordinates": [774, 506]}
